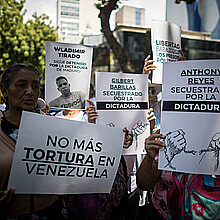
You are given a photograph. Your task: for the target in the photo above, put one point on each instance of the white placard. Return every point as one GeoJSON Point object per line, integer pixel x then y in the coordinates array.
{"type": "Point", "coordinates": [59, 156]}
{"type": "Point", "coordinates": [190, 117]}
{"type": "Point", "coordinates": [122, 101]}
{"type": "Point", "coordinates": [67, 74]}
{"type": "Point", "coordinates": [166, 42]}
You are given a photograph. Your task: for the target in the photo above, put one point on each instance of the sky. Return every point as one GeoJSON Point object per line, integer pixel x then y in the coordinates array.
{"type": "Point", "coordinates": [154, 9]}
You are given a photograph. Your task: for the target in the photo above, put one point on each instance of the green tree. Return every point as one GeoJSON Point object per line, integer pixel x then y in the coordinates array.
{"type": "Point", "coordinates": [22, 42]}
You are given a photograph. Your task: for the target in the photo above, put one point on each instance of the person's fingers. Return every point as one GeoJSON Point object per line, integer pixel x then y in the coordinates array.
{"type": "Point", "coordinates": [152, 146]}
{"type": "Point", "coordinates": [6, 196]}
{"type": "Point", "coordinates": [182, 57]}
{"type": "Point", "coordinates": [147, 58]}
{"type": "Point", "coordinates": [125, 130]}
{"type": "Point", "coordinates": [90, 102]}
{"type": "Point", "coordinates": [150, 110]}
{"type": "Point", "coordinates": [151, 115]}
{"type": "Point", "coordinates": [181, 52]}
{"type": "Point", "coordinates": [152, 118]}
{"type": "Point", "coordinates": [128, 140]}
{"type": "Point", "coordinates": [92, 113]}
{"type": "Point", "coordinates": [150, 66]}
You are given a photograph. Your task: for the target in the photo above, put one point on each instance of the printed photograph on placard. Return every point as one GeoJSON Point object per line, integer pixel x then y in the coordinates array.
{"type": "Point", "coordinates": [67, 75]}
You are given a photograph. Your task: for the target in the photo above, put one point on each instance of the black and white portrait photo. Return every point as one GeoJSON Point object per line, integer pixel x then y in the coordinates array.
{"type": "Point", "coordinates": [67, 99]}
{"type": "Point", "coordinates": [67, 75]}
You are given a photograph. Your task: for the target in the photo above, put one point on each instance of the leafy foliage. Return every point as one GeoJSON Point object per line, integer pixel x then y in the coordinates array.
{"type": "Point", "coordinates": [22, 42]}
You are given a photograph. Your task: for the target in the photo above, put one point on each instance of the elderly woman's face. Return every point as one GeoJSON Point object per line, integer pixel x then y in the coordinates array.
{"type": "Point", "coordinates": [23, 91]}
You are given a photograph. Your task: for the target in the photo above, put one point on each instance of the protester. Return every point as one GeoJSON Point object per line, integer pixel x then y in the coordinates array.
{"type": "Point", "coordinates": [148, 175]}
{"type": "Point", "coordinates": [102, 205]}
{"type": "Point", "coordinates": [136, 197]}
{"type": "Point", "coordinates": [168, 195]}
{"type": "Point", "coordinates": [155, 90]}
{"type": "Point", "coordinates": [20, 86]}
{"type": "Point", "coordinates": [169, 200]}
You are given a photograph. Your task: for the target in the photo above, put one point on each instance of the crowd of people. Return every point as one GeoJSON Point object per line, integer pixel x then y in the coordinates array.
{"type": "Point", "coordinates": [20, 86]}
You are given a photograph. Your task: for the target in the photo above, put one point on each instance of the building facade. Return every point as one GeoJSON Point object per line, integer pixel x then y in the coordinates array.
{"type": "Point", "coordinates": [201, 15]}
{"type": "Point", "coordinates": [77, 18]}
{"type": "Point", "coordinates": [130, 16]}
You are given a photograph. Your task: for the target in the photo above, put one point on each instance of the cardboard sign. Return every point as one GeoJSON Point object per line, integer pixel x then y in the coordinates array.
{"type": "Point", "coordinates": [190, 117]}
{"type": "Point", "coordinates": [122, 101]}
{"type": "Point", "coordinates": [67, 75]}
{"type": "Point", "coordinates": [166, 42]}
{"type": "Point", "coordinates": [59, 156]}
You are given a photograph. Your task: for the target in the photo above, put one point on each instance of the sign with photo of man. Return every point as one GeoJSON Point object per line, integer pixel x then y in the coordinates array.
{"type": "Point", "coordinates": [67, 75]}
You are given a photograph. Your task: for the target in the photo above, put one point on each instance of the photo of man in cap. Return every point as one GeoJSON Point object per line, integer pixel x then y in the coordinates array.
{"type": "Point", "coordinates": [68, 99]}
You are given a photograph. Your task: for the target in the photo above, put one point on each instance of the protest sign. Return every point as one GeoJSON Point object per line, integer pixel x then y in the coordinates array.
{"type": "Point", "coordinates": [166, 42]}
{"type": "Point", "coordinates": [190, 117]}
{"type": "Point", "coordinates": [67, 75]}
{"type": "Point", "coordinates": [59, 156]}
{"type": "Point", "coordinates": [122, 101]}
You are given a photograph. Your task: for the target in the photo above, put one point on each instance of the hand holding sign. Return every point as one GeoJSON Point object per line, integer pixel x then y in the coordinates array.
{"type": "Point", "coordinates": [152, 145]}
{"type": "Point", "coordinates": [128, 139]}
{"type": "Point", "coordinates": [148, 66]}
{"type": "Point", "coordinates": [182, 58]}
{"type": "Point", "coordinates": [5, 197]}
{"type": "Point", "coordinates": [92, 114]}
{"type": "Point", "coordinates": [152, 119]}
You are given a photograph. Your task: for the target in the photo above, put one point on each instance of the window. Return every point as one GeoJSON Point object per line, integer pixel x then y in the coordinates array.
{"type": "Point", "coordinates": [70, 11]}
{"type": "Point", "coordinates": [138, 16]}
{"type": "Point", "coordinates": [74, 1]}
{"type": "Point", "coordinates": [69, 28]}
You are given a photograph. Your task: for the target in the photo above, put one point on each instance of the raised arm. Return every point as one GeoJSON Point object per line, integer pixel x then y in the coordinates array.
{"type": "Point", "coordinates": [148, 173]}
{"type": "Point", "coordinates": [148, 66]}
